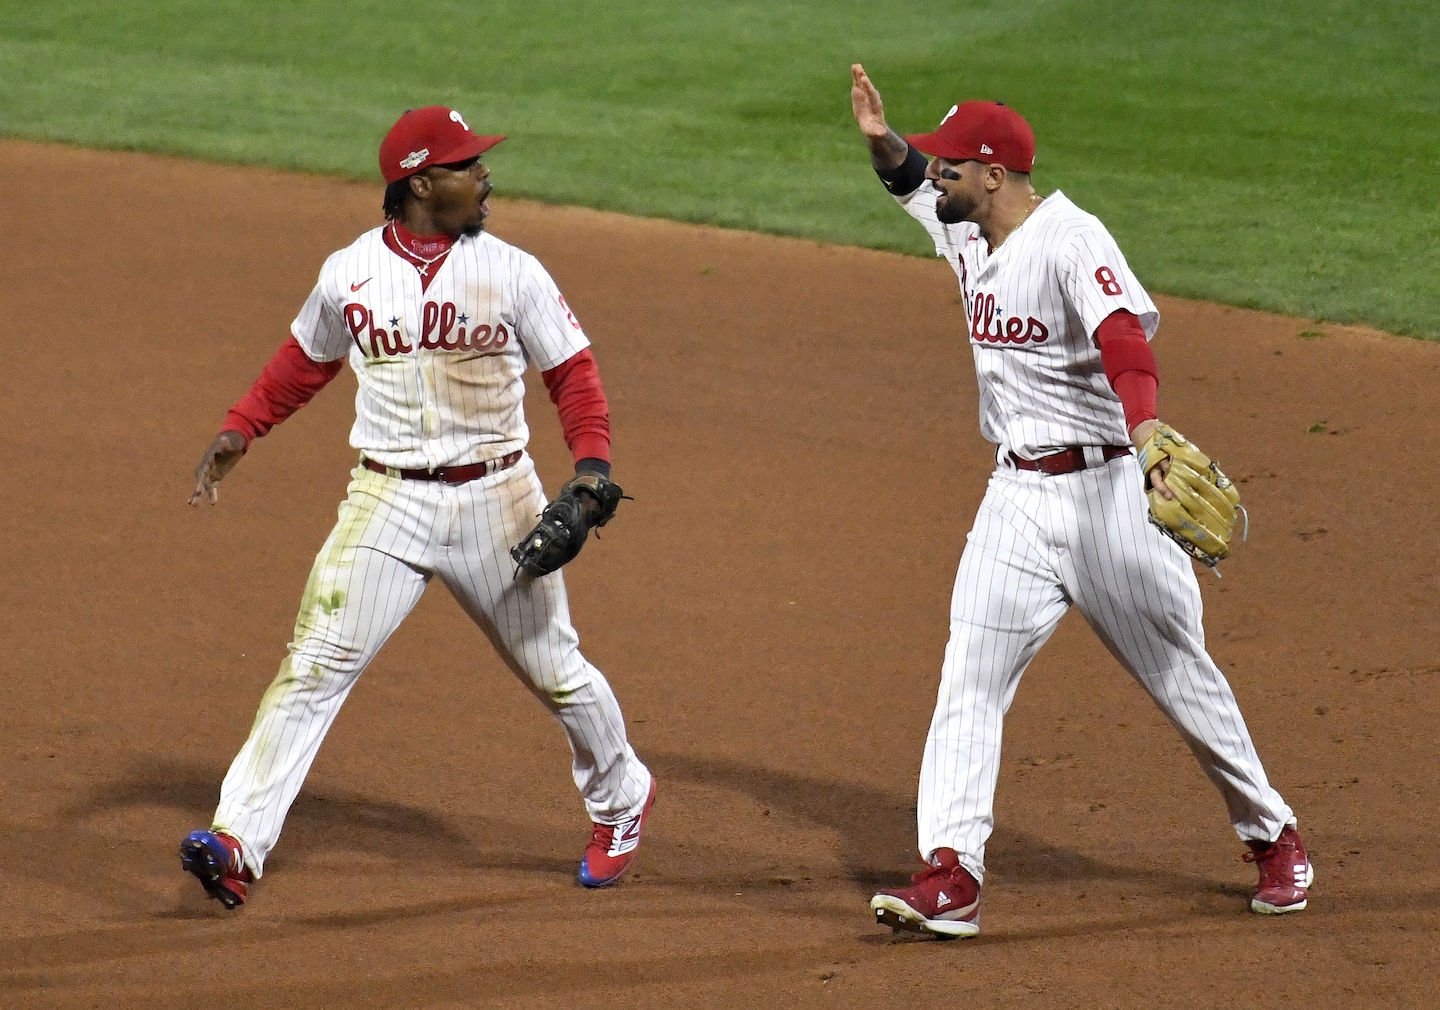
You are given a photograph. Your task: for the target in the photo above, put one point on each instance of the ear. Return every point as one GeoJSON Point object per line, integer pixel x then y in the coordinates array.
{"type": "Point", "coordinates": [420, 186]}
{"type": "Point", "coordinates": [994, 177]}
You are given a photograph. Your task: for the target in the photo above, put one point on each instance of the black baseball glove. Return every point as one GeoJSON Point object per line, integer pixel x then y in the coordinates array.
{"type": "Point", "coordinates": [586, 501]}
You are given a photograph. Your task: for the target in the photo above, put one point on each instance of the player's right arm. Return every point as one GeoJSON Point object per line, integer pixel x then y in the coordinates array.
{"type": "Point", "coordinates": [888, 150]}
{"type": "Point", "coordinates": [900, 167]}
{"type": "Point", "coordinates": [289, 380]}
{"type": "Point", "coordinates": [303, 365]}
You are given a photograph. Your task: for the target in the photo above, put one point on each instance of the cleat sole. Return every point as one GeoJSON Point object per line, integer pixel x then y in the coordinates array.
{"type": "Point", "coordinates": [197, 860]}
{"type": "Point", "coordinates": [900, 917]}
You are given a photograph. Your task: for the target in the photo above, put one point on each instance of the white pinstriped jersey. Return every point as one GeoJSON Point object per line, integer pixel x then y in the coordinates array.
{"type": "Point", "coordinates": [1032, 307]}
{"type": "Point", "coordinates": [440, 370]}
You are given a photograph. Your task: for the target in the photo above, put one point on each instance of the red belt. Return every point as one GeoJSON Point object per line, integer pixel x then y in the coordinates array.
{"type": "Point", "coordinates": [449, 474]}
{"type": "Point", "coordinates": [1067, 460]}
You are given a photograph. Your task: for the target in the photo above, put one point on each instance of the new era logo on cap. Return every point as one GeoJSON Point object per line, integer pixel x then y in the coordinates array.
{"type": "Point", "coordinates": [434, 135]}
{"type": "Point", "coordinates": [981, 131]}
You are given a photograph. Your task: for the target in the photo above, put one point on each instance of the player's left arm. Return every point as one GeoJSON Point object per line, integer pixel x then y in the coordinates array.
{"type": "Point", "coordinates": [1130, 366]}
{"type": "Point", "coordinates": [554, 338]}
{"type": "Point", "coordinates": [1117, 313]}
{"type": "Point", "coordinates": [575, 389]}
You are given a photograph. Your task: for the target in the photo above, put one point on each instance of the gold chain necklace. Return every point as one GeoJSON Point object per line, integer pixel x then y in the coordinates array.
{"type": "Point", "coordinates": [1035, 200]}
{"type": "Point", "coordinates": [425, 264]}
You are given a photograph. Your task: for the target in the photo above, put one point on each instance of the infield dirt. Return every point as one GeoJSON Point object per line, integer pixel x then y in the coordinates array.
{"type": "Point", "coordinates": [797, 425]}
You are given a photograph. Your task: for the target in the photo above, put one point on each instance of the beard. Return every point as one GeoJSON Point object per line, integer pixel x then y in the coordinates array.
{"type": "Point", "coordinates": [949, 209]}
{"type": "Point", "coordinates": [473, 228]}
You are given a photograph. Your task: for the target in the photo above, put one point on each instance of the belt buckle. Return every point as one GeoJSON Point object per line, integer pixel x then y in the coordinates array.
{"type": "Point", "coordinates": [1055, 463]}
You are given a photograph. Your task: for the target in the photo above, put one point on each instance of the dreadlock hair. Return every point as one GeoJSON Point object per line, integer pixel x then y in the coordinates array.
{"type": "Point", "coordinates": [395, 193]}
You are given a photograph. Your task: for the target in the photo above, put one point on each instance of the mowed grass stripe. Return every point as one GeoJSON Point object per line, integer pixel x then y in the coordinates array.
{"type": "Point", "coordinates": [1274, 154]}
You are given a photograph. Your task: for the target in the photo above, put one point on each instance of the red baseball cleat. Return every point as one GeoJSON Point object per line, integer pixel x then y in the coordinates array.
{"type": "Point", "coordinates": [217, 861]}
{"type": "Point", "coordinates": [942, 899]}
{"type": "Point", "coordinates": [1285, 874]}
{"type": "Point", "coordinates": [613, 847]}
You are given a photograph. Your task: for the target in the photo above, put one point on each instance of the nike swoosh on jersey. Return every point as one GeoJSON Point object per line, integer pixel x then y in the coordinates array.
{"type": "Point", "coordinates": [357, 287]}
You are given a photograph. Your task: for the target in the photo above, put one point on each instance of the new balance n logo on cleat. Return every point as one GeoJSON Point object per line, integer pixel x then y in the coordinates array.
{"type": "Point", "coordinates": [613, 847]}
{"type": "Point", "coordinates": [217, 861]}
{"type": "Point", "coordinates": [627, 838]}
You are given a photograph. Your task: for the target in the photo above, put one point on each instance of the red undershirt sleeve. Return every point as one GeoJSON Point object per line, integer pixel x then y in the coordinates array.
{"type": "Point", "coordinates": [1129, 365]}
{"type": "Point", "coordinates": [286, 384]}
{"type": "Point", "coordinates": [575, 390]}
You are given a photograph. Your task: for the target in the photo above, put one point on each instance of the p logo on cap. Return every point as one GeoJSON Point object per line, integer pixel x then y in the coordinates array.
{"type": "Point", "coordinates": [434, 135]}
{"type": "Point", "coordinates": [981, 131]}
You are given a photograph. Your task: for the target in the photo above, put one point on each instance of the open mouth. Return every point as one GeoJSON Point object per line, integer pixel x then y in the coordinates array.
{"type": "Point", "coordinates": [485, 200]}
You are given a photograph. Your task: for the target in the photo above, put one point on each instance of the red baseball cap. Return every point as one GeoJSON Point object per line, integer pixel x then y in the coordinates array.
{"type": "Point", "coordinates": [434, 135]}
{"type": "Point", "coordinates": [991, 132]}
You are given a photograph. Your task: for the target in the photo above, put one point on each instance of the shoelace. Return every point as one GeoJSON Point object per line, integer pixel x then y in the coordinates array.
{"type": "Point", "coordinates": [932, 871]}
{"type": "Point", "coordinates": [1277, 865]}
{"type": "Point", "coordinates": [1271, 850]}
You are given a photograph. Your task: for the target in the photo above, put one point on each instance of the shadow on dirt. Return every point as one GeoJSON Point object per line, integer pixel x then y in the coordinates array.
{"type": "Point", "coordinates": [877, 830]}
{"type": "Point", "coordinates": [355, 823]}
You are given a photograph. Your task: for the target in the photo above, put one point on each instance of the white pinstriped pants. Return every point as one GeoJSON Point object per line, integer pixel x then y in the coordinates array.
{"type": "Point", "coordinates": [1041, 543]}
{"type": "Point", "coordinates": [392, 536]}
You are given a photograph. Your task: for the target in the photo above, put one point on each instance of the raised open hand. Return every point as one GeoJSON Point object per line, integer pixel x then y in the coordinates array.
{"type": "Point", "coordinates": [865, 101]}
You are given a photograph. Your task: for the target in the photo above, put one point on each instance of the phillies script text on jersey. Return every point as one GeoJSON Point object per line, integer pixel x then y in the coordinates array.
{"type": "Point", "coordinates": [1031, 305]}
{"type": "Point", "coordinates": [438, 331]}
{"type": "Point", "coordinates": [464, 341]}
{"type": "Point", "coordinates": [981, 313]}
{"type": "Point", "coordinates": [991, 327]}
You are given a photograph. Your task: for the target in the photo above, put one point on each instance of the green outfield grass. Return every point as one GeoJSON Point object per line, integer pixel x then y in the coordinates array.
{"type": "Point", "coordinates": [1272, 154]}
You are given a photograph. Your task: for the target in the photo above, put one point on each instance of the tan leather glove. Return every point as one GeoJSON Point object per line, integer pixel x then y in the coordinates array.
{"type": "Point", "coordinates": [1201, 516]}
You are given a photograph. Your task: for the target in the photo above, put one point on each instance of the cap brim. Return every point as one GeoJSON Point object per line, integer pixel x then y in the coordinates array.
{"type": "Point", "coordinates": [472, 148]}
{"type": "Point", "coordinates": [933, 145]}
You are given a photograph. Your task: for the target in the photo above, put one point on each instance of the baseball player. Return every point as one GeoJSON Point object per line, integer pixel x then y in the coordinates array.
{"type": "Point", "coordinates": [439, 320]}
{"type": "Point", "coordinates": [1060, 331]}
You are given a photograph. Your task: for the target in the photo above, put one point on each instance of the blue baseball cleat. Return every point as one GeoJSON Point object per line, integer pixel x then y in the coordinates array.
{"type": "Point", "coordinates": [613, 847]}
{"type": "Point", "coordinates": [218, 862]}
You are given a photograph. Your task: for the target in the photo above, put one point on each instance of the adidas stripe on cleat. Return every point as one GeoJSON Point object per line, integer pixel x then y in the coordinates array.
{"type": "Point", "coordinates": [943, 900]}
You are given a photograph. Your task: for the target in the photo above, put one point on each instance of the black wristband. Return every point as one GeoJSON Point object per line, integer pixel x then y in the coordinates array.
{"type": "Point", "coordinates": [593, 464]}
{"type": "Point", "coordinates": [908, 176]}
